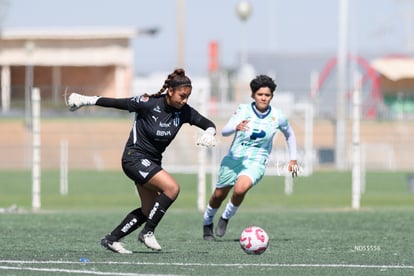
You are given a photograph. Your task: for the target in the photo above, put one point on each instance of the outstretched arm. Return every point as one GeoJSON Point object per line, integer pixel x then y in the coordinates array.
{"type": "Point", "coordinates": [115, 103]}
{"type": "Point", "coordinates": [76, 101]}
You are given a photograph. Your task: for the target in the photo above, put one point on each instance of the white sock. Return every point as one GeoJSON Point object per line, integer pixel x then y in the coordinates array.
{"type": "Point", "coordinates": [229, 211]}
{"type": "Point", "coordinates": [209, 214]}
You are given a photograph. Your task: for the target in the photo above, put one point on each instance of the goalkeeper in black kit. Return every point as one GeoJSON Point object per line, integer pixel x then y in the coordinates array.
{"type": "Point", "coordinates": [158, 118]}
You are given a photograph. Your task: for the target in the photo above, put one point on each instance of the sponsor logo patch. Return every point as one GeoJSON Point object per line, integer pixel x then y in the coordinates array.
{"type": "Point", "coordinates": [143, 174]}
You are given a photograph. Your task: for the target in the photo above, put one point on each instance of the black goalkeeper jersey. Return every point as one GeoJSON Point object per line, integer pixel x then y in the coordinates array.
{"type": "Point", "coordinates": [156, 124]}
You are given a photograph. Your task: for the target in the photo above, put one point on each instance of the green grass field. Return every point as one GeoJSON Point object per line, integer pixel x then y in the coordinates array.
{"type": "Point", "coordinates": [313, 231]}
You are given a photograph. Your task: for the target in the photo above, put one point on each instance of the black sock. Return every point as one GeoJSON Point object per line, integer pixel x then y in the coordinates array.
{"type": "Point", "coordinates": [162, 203]}
{"type": "Point", "coordinates": [128, 225]}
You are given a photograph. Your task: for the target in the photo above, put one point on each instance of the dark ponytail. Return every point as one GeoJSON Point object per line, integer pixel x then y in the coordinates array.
{"type": "Point", "coordinates": [174, 80]}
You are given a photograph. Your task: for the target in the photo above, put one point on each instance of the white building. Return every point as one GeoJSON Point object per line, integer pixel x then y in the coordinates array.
{"type": "Point", "coordinates": [95, 60]}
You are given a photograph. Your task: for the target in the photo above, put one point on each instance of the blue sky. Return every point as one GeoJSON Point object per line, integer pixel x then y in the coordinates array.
{"type": "Point", "coordinates": [277, 26]}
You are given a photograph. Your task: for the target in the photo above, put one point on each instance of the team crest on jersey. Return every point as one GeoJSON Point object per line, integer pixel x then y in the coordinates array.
{"type": "Point", "coordinates": [176, 120]}
{"type": "Point", "coordinates": [144, 99]}
{"type": "Point", "coordinates": [157, 109]}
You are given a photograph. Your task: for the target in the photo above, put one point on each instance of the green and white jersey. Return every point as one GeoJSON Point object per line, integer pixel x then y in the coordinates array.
{"type": "Point", "coordinates": [255, 144]}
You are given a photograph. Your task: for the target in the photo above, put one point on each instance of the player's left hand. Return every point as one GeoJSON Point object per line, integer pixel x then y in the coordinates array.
{"type": "Point", "coordinates": [207, 139]}
{"type": "Point", "coordinates": [293, 167]}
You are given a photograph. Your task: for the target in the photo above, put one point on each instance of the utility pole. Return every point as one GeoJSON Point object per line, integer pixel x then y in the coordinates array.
{"type": "Point", "coordinates": [180, 5]}
{"type": "Point", "coordinates": [4, 6]}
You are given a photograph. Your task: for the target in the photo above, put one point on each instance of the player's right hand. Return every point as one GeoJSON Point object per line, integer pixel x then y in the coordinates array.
{"type": "Point", "coordinates": [76, 101]}
{"type": "Point", "coordinates": [243, 126]}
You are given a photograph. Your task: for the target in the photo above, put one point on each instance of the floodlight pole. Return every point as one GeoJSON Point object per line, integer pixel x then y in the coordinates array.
{"type": "Point", "coordinates": [244, 10]}
{"type": "Point", "coordinates": [340, 156]}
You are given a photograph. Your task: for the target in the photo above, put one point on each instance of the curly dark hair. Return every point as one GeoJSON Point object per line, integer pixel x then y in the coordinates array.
{"type": "Point", "coordinates": [262, 81]}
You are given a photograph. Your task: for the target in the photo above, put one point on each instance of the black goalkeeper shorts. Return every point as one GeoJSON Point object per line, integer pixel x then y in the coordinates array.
{"type": "Point", "coordinates": [138, 168]}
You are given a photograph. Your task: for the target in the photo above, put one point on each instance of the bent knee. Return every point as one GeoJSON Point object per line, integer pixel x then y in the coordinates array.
{"type": "Point", "coordinates": [240, 192]}
{"type": "Point", "coordinates": [219, 195]}
{"type": "Point", "coordinates": [172, 191]}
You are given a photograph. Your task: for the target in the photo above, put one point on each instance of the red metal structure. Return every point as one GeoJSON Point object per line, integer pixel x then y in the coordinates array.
{"type": "Point", "coordinates": [370, 74]}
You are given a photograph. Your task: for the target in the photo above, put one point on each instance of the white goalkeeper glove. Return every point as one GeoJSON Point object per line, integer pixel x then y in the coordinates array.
{"type": "Point", "coordinates": [207, 139]}
{"type": "Point", "coordinates": [76, 101]}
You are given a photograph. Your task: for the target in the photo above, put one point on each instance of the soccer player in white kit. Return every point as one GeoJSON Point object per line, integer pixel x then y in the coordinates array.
{"type": "Point", "coordinates": [254, 125]}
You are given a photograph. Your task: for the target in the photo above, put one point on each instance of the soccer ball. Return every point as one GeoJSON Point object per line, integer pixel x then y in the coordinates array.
{"type": "Point", "coordinates": [254, 240]}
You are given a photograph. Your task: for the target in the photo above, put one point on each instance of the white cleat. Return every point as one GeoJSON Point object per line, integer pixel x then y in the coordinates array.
{"type": "Point", "coordinates": [116, 247]}
{"type": "Point", "coordinates": [149, 240]}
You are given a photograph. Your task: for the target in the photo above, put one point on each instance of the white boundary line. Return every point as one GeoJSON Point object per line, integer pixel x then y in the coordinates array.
{"type": "Point", "coordinates": [198, 264]}
{"type": "Point", "coordinates": [56, 270]}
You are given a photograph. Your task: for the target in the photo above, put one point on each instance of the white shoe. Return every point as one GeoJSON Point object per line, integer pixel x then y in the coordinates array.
{"type": "Point", "coordinates": [116, 247]}
{"type": "Point", "coordinates": [149, 240]}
